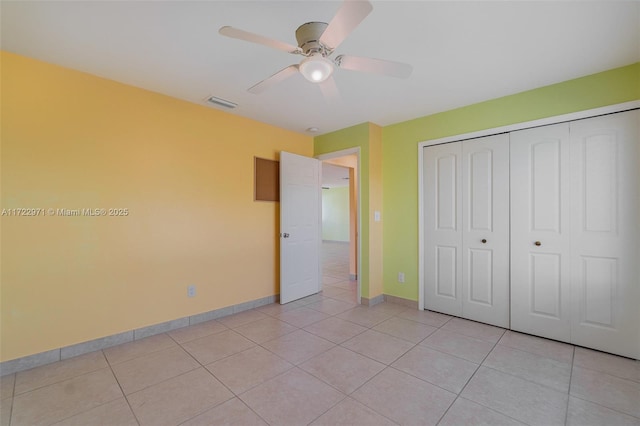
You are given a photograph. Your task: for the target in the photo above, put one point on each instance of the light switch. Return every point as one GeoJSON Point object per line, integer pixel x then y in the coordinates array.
{"type": "Point", "coordinates": [376, 216]}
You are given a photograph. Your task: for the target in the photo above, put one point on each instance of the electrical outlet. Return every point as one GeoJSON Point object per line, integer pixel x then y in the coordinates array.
{"type": "Point", "coordinates": [400, 277]}
{"type": "Point", "coordinates": [191, 291]}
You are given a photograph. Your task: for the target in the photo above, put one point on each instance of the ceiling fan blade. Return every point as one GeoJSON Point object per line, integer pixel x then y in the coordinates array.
{"type": "Point", "coordinates": [348, 17]}
{"type": "Point", "coordinates": [330, 90]}
{"type": "Point", "coordinates": [281, 75]}
{"type": "Point", "coordinates": [255, 38]}
{"type": "Point", "coordinates": [377, 66]}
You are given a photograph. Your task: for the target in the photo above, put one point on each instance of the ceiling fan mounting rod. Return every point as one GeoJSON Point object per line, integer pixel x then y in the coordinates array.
{"type": "Point", "coordinates": [308, 37]}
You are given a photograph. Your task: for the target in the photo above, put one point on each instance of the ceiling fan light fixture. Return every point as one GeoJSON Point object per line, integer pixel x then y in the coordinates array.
{"type": "Point", "coordinates": [316, 68]}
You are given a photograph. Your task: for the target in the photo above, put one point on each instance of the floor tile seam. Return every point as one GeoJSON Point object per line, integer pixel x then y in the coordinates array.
{"type": "Point", "coordinates": [13, 388]}
{"type": "Point", "coordinates": [326, 383]}
{"type": "Point", "coordinates": [245, 350]}
{"type": "Point", "coordinates": [605, 373]}
{"type": "Point", "coordinates": [603, 406]}
{"type": "Point", "coordinates": [140, 355]}
{"type": "Point", "coordinates": [266, 313]}
{"type": "Point", "coordinates": [222, 383]}
{"type": "Point", "coordinates": [484, 406]}
{"type": "Point", "coordinates": [244, 323]}
{"type": "Point", "coordinates": [339, 300]}
{"type": "Point", "coordinates": [529, 381]}
{"type": "Point", "coordinates": [390, 363]}
{"type": "Point", "coordinates": [356, 323]}
{"type": "Point", "coordinates": [113, 373]}
{"type": "Point", "coordinates": [448, 408]}
{"type": "Point", "coordinates": [430, 325]}
{"type": "Point", "coordinates": [10, 408]}
{"type": "Point", "coordinates": [401, 338]}
{"type": "Point", "coordinates": [452, 355]}
{"type": "Point", "coordinates": [178, 345]}
{"type": "Point", "coordinates": [92, 408]}
{"type": "Point", "coordinates": [207, 409]}
{"type": "Point", "coordinates": [473, 337]}
{"type": "Point", "coordinates": [182, 373]}
{"type": "Point", "coordinates": [124, 395]}
{"type": "Point", "coordinates": [338, 344]}
{"type": "Point", "coordinates": [205, 365]}
{"type": "Point", "coordinates": [563, 390]}
{"type": "Point", "coordinates": [566, 364]}
{"type": "Point", "coordinates": [281, 335]}
{"type": "Point", "coordinates": [306, 325]}
{"type": "Point", "coordinates": [59, 381]}
{"type": "Point", "coordinates": [350, 395]}
{"type": "Point", "coordinates": [436, 384]}
{"type": "Point", "coordinates": [252, 410]}
{"type": "Point", "coordinates": [306, 359]}
{"type": "Point", "coordinates": [199, 337]}
{"type": "Point", "coordinates": [330, 408]}
{"type": "Point", "coordinates": [15, 382]}
{"type": "Point", "coordinates": [373, 359]}
{"type": "Point", "coordinates": [239, 395]}
{"type": "Point", "coordinates": [573, 356]}
{"type": "Point", "coordinates": [537, 354]}
{"type": "Point", "coordinates": [477, 369]}
{"type": "Point", "coordinates": [253, 345]}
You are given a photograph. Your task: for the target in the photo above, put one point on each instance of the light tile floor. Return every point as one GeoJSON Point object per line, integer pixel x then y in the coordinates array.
{"type": "Point", "coordinates": [325, 361]}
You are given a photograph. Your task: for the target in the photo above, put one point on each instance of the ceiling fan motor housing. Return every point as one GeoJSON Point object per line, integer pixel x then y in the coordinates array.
{"type": "Point", "coordinates": [308, 37]}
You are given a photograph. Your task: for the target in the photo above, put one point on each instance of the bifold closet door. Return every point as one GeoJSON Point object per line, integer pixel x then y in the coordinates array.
{"type": "Point", "coordinates": [485, 229]}
{"type": "Point", "coordinates": [443, 233]}
{"type": "Point", "coordinates": [540, 228]}
{"type": "Point", "coordinates": [605, 213]}
{"type": "Point", "coordinates": [466, 210]}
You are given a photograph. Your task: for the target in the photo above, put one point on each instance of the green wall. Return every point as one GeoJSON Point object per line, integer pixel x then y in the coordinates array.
{"type": "Point", "coordinates": [353, 137]}
{"type": "Point", "coordinates": [400, 153]}
{"type": "Point", "coordinates": [335, 214]}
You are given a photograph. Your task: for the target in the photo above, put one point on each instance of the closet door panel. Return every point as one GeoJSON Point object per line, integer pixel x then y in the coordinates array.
{"type": "Point", "coordinates": [443, 234]}
{"type": "Point", "coordinates": [605, 190]}
{"type": "Point", "coordinates": [485, 235]}
{"type": "Point", "coordinates": [540, 233]}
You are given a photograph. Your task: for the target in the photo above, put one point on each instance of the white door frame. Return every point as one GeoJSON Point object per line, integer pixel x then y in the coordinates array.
{"type": "Point", "coordinates": [610, 109]}
{"type": "Point", "coordinates": [342, 153]}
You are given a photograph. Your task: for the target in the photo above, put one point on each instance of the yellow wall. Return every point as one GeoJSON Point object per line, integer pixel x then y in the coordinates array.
{"type": "Point", "coordinates": [184, 171]}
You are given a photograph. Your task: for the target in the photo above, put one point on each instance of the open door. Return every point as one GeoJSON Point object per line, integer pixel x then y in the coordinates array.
{"type": "Point", "coordinates": [300, 233]}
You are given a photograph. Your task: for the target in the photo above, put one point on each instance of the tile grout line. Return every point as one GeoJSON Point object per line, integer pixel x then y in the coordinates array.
{"type": "Point", "coordinates": [469, 379]}
{"type": "Point", "coordinates": [566, 412]}
{"type": "Point", "coordinates": [124, 395]}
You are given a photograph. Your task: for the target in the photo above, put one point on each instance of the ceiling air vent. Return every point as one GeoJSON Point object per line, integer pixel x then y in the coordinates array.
{"type": "Point", "coordinates": [221, 102]}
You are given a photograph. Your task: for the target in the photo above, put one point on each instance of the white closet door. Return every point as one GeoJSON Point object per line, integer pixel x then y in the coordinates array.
{"type": "Point", "coordinates": [540, 231]}
{"type": "Point", "coordinates": [605, 195]}
{"type": "Point", "coordinates": [485, 229]}
{"type": "Point", "coordinates": [443, 232]}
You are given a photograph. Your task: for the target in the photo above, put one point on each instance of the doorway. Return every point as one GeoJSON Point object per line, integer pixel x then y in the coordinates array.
{"type": "Point", "coordinates": [340, 253]}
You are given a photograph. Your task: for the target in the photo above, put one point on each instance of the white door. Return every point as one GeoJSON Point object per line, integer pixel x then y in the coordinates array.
{"type": "Point", "coordinates": [605, 214]}
{"type": "Point", "coordinates": [485, 229]}
{"type": "Point", "coordinates": [442, 228]}
{"type": "Point", "coordinates": [300, 229]}
{"type": "Point", "coordinates": [540, 231]}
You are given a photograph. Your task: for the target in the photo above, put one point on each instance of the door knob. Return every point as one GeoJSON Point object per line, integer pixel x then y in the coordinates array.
{"type": "Point", "coordinates": [285, 235]}
{"type": "Point", "coordinates": [484, 241]}
{"type": "Point", "coordinates": [538, 243]}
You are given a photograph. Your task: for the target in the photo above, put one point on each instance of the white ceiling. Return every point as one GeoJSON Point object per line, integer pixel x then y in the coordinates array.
{"type": "Point", "coordinates": [462, 52]}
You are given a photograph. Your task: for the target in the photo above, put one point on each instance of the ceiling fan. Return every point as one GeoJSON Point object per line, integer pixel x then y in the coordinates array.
{"type": "Point", "coordinates": [317, 41]}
